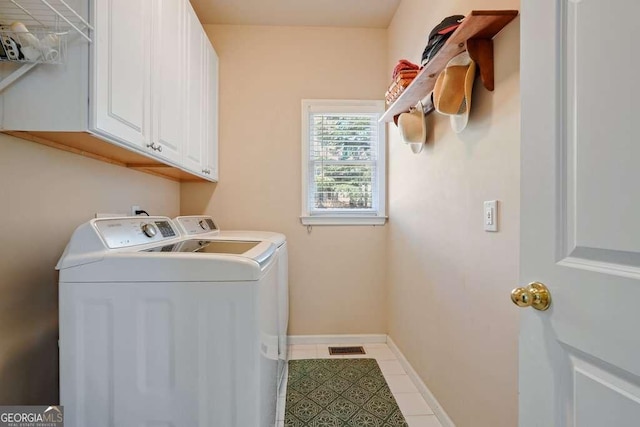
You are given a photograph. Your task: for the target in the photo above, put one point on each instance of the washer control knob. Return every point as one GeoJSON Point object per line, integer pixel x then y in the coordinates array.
{"type": "Point", "coordinates": [203, 224]}
{"type": "Point", "coordinates": [149, 230]}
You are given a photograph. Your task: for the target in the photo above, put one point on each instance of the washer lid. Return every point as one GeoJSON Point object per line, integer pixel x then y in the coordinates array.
{"type": "Point", "coordinates": [277, 238]}
{"type": "Point", "coordinates": [259, 251]}
{"type": "Point", "coordinates": [205, 227]}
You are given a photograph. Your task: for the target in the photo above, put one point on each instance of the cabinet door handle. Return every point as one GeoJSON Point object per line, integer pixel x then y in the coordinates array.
{"type": "Point", "coordinates": [155, 147]}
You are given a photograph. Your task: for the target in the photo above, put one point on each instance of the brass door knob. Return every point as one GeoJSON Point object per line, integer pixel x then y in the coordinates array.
{"type": "Point", "coordinates": [534, 295]}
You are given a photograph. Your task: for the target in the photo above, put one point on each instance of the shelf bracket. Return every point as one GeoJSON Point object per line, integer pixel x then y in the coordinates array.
{"type": "Point", "coordinates": [481, 51]}
{"type": "Point", "coordinates": [15, 75]}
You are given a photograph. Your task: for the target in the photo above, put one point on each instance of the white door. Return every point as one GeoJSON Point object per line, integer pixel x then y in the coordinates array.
{"type": "Point", "coordinates": [168, 79]}
{"type": "Point", "coordinates": [121, 61]}
{"type": "Point", "coordinates": [580, 360]}
{"type": "Point", "coordinates": [195, 94]}
{"type": "Point", "coordinates": [211, 117]}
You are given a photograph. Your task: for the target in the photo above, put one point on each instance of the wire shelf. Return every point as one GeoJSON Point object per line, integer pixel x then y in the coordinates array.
{"type": "Point", "coordinates": [35, 46]}
{"type": "Point", "coordinates": [37, 31]}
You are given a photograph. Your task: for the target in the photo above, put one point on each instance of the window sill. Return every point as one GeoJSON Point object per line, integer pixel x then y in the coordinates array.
{"type": "Point", "coordinates": [343, 220]}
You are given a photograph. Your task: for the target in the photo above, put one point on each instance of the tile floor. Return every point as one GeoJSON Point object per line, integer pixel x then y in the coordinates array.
{"type": "Point", "coordinates": [413, 407]}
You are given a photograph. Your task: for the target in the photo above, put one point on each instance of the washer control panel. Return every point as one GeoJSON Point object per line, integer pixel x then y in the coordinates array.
{"type": "Point", "coordinates": [125, 232]}
{"type": "Point", "coordinates": [194, 225]}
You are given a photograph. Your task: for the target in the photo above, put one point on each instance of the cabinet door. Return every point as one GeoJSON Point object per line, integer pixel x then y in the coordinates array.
{"type": "Point", "coordinates": [211, 119]}
{"type": "Point", "coordinates": [195, 94]}
{"type": "Point", "coordinates": [168, 79]}
{"type": "Point", "coordinates": [121, 71]}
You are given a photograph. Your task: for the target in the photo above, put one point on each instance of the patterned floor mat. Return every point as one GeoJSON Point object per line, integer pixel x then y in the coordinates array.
{"type": "Point", "coordinates": [339, 393]}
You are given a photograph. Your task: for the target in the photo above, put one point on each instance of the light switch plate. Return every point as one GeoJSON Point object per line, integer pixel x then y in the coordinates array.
{"type": "Point", "coordinates": [491, 215]}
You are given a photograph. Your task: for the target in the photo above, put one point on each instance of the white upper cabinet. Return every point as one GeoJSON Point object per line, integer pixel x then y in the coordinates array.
{"type": "Point", "coordinates": [194, 153]}
{"type": "Point", "coordinates": [211, 140]}
{"type": "Point", "coordinates": [201, 146]}
{"type": "Point", "coordinates": [121, 85]}
{"type": "Point", "coordinates": [147, 85]}
{"type": "Point", "coordinates": [139, 74]}
{"type": "Point", "coordinates": [168, 78]}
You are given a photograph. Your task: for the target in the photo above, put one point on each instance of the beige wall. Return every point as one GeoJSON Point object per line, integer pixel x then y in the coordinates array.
{"type": "Point", "coordinates": [337, 282]}
{"type": "Point", "coordinates": [44, 195]}
{"type": "Point", "coordinates": [449, 281]}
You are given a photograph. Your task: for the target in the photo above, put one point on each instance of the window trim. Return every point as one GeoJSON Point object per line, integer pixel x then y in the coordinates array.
{"type": "Point", "coordinates": [344, 217]}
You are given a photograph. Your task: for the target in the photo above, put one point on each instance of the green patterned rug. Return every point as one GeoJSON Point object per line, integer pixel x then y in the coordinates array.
{"type": "Point", "coordinates": [339, 393]}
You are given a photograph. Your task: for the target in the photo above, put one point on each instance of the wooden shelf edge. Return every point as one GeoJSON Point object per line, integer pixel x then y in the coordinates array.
{"type": "Point", "coordinates": [81, 143]}
{"type": "Point", "coordinates": [504, 12]}
{"type": "Point", "coordinates": [475, 33]}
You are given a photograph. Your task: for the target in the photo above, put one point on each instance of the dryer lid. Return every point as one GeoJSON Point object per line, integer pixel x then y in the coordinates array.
{"type": "Point", "coordinates": [259, 251]}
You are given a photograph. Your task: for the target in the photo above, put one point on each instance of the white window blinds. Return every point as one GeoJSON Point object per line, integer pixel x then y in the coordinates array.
{"type": "Point", "coordinates": [344, 150]}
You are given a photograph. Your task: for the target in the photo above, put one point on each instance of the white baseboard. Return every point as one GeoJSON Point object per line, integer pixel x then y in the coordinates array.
{"type": "Point", "coordinates": [422, 388]}
{"type": "Point", "coordinates": [337, 339]}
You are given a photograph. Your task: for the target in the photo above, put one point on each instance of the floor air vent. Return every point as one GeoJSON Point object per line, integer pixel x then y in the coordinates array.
{"type": "Point", "coordinates": [346, 350]}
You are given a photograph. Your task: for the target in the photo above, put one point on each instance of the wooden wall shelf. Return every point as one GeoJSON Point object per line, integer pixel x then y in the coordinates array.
{"type": "Point", "coordinates": [475, 35]}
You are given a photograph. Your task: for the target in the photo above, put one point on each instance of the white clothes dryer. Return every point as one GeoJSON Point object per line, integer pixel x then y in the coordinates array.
{"type": "Point", "coordinates": [205, 226]}
{"type": "Point", "coordinates": [158, 328]}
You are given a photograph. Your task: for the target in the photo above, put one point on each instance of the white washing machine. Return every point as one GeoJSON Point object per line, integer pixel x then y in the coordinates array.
{"type": "Point", "coordinates": [165, 330]}
{"type": "Point", "coordinates": [205, 226]}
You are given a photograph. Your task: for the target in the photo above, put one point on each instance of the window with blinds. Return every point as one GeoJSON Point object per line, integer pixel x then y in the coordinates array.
{"type": "Point", "coordinates": [343, 162]}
